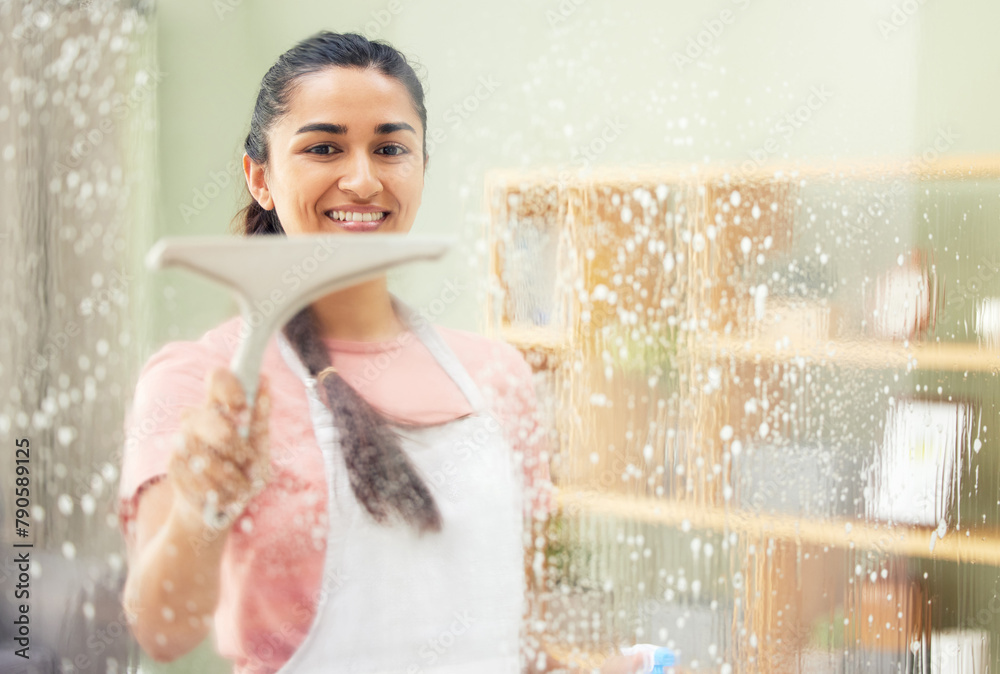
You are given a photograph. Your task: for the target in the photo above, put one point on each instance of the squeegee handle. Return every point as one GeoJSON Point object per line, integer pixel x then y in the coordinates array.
{"type": "Point", "coordinates": [247, 360]}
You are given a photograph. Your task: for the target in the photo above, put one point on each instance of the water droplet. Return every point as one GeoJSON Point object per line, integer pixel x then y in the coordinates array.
{"type": "Point", "coordinates": [87, 504]}
{"type": "Point", "coordinates": [65, 435]}
{"type": "Point", "coordinates": [65, 504]}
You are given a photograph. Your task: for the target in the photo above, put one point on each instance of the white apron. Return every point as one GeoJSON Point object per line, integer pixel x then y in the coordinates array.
{"type": "Point", "coordinates": [396, 602]}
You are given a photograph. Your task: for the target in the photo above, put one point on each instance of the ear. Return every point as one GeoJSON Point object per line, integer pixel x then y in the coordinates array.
{"type": "Point", "coordinates": [256, 177]}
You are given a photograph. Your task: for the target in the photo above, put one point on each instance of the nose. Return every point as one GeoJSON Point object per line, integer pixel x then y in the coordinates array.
{"type": "Point", "coordinates": [360, 177]}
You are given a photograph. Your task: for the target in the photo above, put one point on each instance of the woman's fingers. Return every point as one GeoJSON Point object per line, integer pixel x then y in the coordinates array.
{"type": "Point", "coordinates": [205, 469]}
{"type": "Point", "coordinates": [211, 428]}
{"type": "Point", "coordinates": [208, 482]}
{"type": "Point", "coordinates": [224, 390]}
{"type": "Point", "coordinates": [217, 468]}
{"type": "Point", "coordinates": [218, 423]}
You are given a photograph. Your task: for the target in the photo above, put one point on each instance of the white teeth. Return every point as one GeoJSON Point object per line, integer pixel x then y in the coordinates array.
{"type": "Point", "coordinates": [357, 217]}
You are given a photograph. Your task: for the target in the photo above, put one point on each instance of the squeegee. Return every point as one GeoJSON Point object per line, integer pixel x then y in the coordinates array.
{"type": "Point", "coordinates": [274, 277]}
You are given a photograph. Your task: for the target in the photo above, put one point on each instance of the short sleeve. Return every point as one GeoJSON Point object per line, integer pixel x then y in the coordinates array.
{"type": "Point", "coordinates": [171, 381]}
{"type": "Point", "coordinates": [517, 406]}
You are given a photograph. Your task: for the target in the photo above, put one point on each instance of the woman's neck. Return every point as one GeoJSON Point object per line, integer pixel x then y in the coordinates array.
{"type": "Point", "coordinates": [361, 313]}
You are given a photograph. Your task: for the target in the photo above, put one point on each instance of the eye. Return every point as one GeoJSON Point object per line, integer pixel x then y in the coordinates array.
{"type": "Point", "coordinates": [324, 149]}
{"type": "Point", "coordinates": [392, 150]}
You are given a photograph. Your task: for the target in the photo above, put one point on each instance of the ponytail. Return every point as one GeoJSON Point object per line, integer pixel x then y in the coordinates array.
{"type": "Point", "coordinates": [382, 477]}
{"type": "Point", "coordinates": [258, 221]}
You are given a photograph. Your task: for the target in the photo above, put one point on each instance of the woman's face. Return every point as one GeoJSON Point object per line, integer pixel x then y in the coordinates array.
{"type": "Point", "coordinates": [346, 157]}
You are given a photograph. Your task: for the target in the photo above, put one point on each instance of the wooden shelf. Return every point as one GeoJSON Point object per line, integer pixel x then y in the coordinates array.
{"type": "Point", "coordinates": [952, 357]}
{"type": "Point", "coordinates": [947, 356]}
{"type": "Point", "coordinates": [549, 340]}
{"type": "Point", "coordinates": [957, 167]}
{"type": "Point", "coordinates": [898, 540]}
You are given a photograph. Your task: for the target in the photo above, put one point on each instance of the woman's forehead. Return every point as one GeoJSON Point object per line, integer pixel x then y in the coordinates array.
{"type": "Point", "coordinates": [339, 95]}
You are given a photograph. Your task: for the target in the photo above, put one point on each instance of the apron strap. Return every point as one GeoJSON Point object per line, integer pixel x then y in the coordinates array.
{"type": "Point", "coordinates": [445, 357]}
{"type": "Point", "coordinates": [293, 361]}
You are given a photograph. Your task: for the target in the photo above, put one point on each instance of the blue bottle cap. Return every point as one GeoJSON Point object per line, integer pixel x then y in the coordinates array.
{"type": "Point", "coordinates": [663, 657]}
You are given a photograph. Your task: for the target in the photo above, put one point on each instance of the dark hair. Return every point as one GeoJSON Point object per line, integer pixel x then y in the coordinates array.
{"type": "Point", "coordinates": [382, 477]}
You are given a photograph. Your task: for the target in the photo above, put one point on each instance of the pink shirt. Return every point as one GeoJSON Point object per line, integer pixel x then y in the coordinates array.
{"type": "Point", "coordinates": [273, 562]}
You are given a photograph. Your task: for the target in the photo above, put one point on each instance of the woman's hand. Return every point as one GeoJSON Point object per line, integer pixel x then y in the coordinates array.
{"type": "Point", "coordinates": [172, 590]}
{"type": "Point", "coordinates": [216, 471]}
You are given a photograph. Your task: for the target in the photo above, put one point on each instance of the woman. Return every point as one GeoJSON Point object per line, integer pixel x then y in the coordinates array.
{"type": "Point", "coordinates": [371, 521]}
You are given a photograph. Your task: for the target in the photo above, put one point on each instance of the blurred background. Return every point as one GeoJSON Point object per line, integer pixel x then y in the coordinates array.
{"type": "Point", "coordinates": [748, 247]}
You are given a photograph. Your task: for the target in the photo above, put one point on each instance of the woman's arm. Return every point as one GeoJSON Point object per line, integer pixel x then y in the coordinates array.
{"type": "Point", "coordinates": [173, 582]}
{"type": "Point", "coordinates": [172, 588]}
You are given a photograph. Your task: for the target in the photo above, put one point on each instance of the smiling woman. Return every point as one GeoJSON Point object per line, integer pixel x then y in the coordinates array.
{"type": "Point", "coordinates": [347, 174]}
{"type": "Point", "coordinates": [346, 533]}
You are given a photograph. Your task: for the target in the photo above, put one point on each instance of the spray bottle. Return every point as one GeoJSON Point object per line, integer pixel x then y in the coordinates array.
{"type": "Point", "coordinates": [655, 659]}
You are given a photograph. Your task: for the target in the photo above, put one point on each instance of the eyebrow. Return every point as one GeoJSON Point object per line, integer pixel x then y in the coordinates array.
{"type": "Point", "coordinates": [340, 129]}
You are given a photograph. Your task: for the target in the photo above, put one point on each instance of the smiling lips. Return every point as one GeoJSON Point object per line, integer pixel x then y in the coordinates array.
{"type": "Point", "coordinates": [358, 221]}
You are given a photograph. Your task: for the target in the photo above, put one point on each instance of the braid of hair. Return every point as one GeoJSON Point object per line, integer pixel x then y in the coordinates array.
{"type": "Point", "coordinates": [382, 477]}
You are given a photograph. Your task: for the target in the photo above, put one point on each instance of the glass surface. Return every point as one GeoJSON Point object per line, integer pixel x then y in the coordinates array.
{"type": "Point", "coordinates": [747, 247]}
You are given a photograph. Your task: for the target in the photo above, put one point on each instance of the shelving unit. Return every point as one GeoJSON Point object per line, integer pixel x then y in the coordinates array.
{"type": "Point", "coordinates": [672, 244]}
